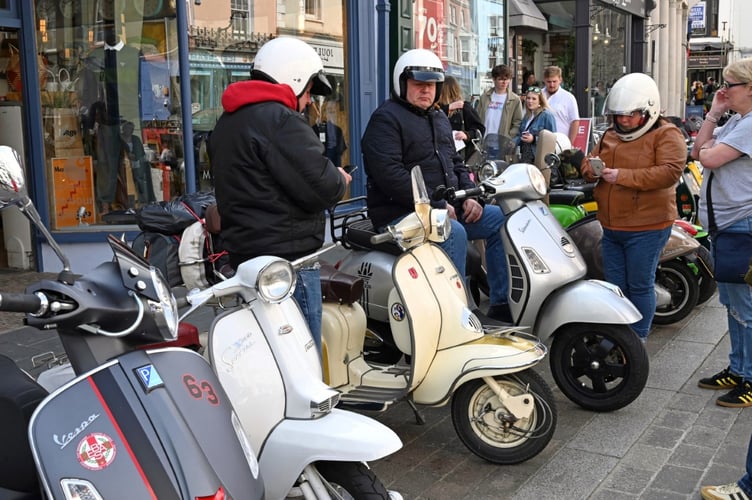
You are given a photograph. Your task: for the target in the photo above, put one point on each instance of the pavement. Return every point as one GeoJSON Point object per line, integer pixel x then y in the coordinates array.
{"type": "Point", "coordinates": [664, 445]}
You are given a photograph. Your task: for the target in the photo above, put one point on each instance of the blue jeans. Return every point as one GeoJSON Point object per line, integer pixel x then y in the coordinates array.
{"type": "Point", "coordinates": [737, 298]}
{"type": "Point", "coordinates": [308, 296]}
{"type": "Point", "coordinates": [630, 259]}
{"type": "Point", "coordinates": [487, 228]}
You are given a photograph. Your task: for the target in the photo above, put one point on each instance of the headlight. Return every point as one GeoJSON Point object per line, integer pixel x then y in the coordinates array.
{"type": "Point", "coordinates": [489, 169]}
{"type": "Point", "coordinates": [537, 180]}
{"type": "Point", "coordinates": [166, 310]}
{"type": "Point", "coordinates": [276, 281]}
{"type": "Point", "coordinates": [441, 225]}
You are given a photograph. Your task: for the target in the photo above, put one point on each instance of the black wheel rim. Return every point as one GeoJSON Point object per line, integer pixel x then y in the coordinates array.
{"type": "Point", "coordinates": [598, 366]}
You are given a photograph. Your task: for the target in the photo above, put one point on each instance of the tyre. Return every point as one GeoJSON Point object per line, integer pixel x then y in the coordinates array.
{"type": "Point", "coordinates": [680, 282]}
{"type": "Point", "coordinates": [490, 431]}
{"type": "Point", "coordinates": [599, 367]}
{"type": "Point", "coordinates": [352, 480]}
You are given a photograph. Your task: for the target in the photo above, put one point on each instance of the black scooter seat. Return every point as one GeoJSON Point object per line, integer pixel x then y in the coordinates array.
{"type": "Point", "coordinates": [358, 234]}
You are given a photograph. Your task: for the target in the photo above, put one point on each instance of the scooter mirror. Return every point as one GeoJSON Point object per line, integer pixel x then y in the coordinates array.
{"type": "Point", "coordinates": [12, 180]}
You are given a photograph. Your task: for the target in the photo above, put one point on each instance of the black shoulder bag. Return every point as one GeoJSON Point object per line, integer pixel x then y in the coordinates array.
{"type": "Point", "coordinates": [732, 252]}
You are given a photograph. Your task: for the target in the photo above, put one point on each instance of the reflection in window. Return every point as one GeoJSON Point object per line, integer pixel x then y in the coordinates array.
{"type": "Point", "coordinates": [110, 108]}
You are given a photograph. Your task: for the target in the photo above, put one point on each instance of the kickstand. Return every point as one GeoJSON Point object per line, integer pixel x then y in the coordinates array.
{"type": "Point", "coordinates": [418, 417]}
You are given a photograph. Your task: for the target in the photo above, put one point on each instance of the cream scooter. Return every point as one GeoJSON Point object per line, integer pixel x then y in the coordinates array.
{"type": "Point", "coordinates": [502, 411]}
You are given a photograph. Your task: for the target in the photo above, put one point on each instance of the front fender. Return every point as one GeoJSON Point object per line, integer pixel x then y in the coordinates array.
{"type": "Point", "coordinates": [339, 436]}
{"type": "Point", "coordinates": [585, 301]}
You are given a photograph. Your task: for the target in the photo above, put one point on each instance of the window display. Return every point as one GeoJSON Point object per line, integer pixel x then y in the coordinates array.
{"type": "Point", "coordinates": [109, 100]}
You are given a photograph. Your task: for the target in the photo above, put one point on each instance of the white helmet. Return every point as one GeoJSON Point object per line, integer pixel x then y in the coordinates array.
{"type": "Point", "coordinates": [630, 93]}
{"type": "Point", "coordinates": [421, 65]}
{"type": "Point", "coordinates": [291, 61]}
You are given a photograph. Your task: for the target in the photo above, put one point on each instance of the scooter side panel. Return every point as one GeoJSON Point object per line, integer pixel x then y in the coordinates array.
{"type": "Point", "coordinates": [585, 301]}
{"type": "Point", "coordinates": [135, 426]}
{"type": "Point", "coordinates": [340, 436]}
{"type": "Point", "coordinates": [376, 270]}
{"type": "Point", "coordinates": [490, 356]}
{"type": "Point", "coordinates": [534, 229]}
{"type": "Point", "coordinates": [248, 372]}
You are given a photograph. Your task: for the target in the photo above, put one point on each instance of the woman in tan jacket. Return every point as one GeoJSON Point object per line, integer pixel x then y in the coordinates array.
{"type": "Point", "coordinates": [643, 157]}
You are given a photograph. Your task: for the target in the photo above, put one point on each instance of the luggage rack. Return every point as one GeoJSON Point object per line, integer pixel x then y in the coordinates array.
{"type": "Point", "coordinates": [353, 229]}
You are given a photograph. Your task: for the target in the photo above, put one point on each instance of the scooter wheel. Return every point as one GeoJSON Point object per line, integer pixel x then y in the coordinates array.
{"type": "Point", "coordinates": [489, 429]}
{"type": "Point", "coordinates": [682, 285]}
{"type": "Point", "coordinates": [599, 367]}
{"type": "Point", "coordinates": [352, 480]}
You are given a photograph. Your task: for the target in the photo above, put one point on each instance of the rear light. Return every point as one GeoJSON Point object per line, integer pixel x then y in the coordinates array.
{"type": "Point", "coordinates": [219, 495]}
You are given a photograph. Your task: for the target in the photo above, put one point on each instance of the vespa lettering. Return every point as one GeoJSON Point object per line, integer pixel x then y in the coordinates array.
{"type": "Point", "coordinates": [65, 439]}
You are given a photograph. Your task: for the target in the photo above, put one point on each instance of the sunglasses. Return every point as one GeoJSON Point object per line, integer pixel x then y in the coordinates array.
{"type": "Point", "coordinates": [727, 85]}
{"type": "Point", "coordinates": [535, 90]}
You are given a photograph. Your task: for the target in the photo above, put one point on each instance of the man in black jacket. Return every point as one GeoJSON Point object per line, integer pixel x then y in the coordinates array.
{"type": "Point", "coordinates": [408, 130]}
{"type": "Point", "coordinates": [272, 179]}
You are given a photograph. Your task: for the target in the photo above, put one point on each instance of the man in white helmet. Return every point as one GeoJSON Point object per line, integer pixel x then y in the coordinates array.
{"type": "Point", "coordinates": [272, 178]}
{"type": "Point", "coordinates": [408, 130]}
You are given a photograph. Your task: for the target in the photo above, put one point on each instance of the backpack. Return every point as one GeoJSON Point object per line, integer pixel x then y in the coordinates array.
{"type": "Point", "coordinates": [161, 251]}
{"type": "Point", "coordinates": [198, 261]}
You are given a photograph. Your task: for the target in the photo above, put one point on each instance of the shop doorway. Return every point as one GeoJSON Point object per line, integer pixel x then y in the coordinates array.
{"type": "Point", "coordinates": [15, 243]}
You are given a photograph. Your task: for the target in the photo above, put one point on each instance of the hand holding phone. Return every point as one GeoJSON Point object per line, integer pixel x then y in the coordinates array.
{"type": "Point", "coordinates": [350, 168]}
{"type": "Point", "coordinates": [597, 165]}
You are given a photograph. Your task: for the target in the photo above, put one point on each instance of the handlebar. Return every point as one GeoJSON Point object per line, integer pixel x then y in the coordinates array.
{"type": "Point", "coordinates": [381, 238]}
{"type": "Point", "coordinates": [21, 302]}
{"type": "Point", "coordinates": [462, 194]}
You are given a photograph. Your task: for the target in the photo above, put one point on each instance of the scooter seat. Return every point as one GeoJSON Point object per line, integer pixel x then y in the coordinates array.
{"type": "Point", "coordinates": [19, 397]}
{"type": "Point", "coordinates": [569, 197]}
{"type": "Point", "coordinates": [358, 234]}
{"type": "Point", "coordinates": [339, 287]}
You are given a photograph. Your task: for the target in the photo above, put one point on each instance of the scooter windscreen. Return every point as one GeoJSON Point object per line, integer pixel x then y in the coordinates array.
{"type": "Point", "coordinates": [147, 281]}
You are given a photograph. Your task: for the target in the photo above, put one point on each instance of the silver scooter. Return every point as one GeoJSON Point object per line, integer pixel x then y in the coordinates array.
{"type": "Point", "coordinates": [596, 358]}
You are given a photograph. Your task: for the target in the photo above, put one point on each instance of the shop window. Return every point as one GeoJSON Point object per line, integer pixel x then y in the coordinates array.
{"type": "Point", "coordinates": [110, 108]}
{"type": "Point", "coordinates": [217, 60]}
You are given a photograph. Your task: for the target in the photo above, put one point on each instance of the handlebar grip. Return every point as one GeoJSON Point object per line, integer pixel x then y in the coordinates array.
{"type": "Point", "coordinates": [20, 302]}
{"type": "Point", "coordinates": [381, 238]}
{"type": "Point", "coordinates": [462, 194]}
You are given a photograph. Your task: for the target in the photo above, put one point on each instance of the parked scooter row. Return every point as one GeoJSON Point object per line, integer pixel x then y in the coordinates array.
{"type": "Point", "coordinates": [684, 276]}
{"type": "Point", "coordinates": [596, 359]}
{"type": "Point", "coordinates": [159, 423]}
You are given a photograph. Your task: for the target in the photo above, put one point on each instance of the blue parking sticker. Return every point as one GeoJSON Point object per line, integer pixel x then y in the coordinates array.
{"type": "Point", "coordinates": [149, 377]}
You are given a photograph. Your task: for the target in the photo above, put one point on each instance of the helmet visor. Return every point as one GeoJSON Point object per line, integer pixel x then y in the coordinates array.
{"type": "Point", "coordinates": [423, 74]}
{"type": "Point", "coordinates": [321, 85]}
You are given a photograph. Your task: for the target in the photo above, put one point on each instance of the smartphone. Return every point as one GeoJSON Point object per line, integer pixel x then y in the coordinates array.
{"type": "Point", "coordinates": [597, 165]}
{"type": "Point", "coordinates": [350, 168]}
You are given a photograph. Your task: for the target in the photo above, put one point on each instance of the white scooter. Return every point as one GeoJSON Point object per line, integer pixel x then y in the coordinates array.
{"type": "Point", "coordinates": [267, 362]}
{"type": "Point", "coordinates": [502, 410]}
{"type": "Point", "coordinates": [596, 358]}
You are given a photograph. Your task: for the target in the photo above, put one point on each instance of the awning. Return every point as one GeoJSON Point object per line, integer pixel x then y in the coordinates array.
{"type": "Point", "coordinates": [525, 14]}
{"type": "Point", "coordinates": [710, 45]}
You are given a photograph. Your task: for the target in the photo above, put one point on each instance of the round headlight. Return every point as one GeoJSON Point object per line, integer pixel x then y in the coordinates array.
{"type": "Point", "coordinates": [487, 170]}
{"type": "Point", "coordinates": [441, 225]}
{"type": "Point", "coordinates": [167, 309]}
{"type": "Point", "coordinates": [537, 180]}
{"type": "Point", "coordinates": [276, 281]}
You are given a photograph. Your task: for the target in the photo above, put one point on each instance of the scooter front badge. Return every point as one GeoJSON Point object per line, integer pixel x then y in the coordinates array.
{"type": "Point", "coordinates": [96, 451]}
{"type": "Point", "coordinates": [398, 311]}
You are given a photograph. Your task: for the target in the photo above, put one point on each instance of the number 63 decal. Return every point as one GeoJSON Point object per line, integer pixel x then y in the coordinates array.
{"type": "Point", "coordinates": [200, 389]}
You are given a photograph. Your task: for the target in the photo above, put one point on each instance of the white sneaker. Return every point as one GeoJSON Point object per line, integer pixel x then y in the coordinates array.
{"type": "Point", "coordinates": [726, 492]}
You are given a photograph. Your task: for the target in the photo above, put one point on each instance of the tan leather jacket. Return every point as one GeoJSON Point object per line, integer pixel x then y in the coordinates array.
{"type": "Point", "coordinates": [644, 195]}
